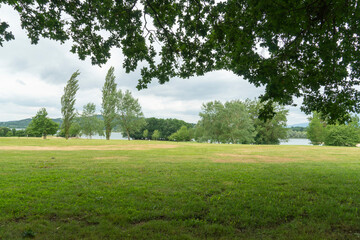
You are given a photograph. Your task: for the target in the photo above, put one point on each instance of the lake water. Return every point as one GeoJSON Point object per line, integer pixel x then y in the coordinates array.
{"type": "Point", "coordinates": [114, 135]}
{"type": "Point", "coordinates": [296, 141]}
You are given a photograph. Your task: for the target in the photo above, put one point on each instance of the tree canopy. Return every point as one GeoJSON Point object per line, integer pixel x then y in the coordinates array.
{"type": "Point", "coordinates": [269, 131]}
{"type": "Point", "coordinates": [89, 123]}
{"type": "Point", "coordinates": [129, 114]}
{"type": "Point", "coordinates": [41, 125]}
{"type": "Point", "coordinates": [68, 102]}
{"type": "Point", "coordinates": [320, 132]}
{"type": "Point", "coordinates": [109, 98]}
{"type": "Point", "coordinates": [166, 127]}
{"type": "Point", "coordinates": [310, 47]}
{"type": "Point", "coordinates": [226, 123]}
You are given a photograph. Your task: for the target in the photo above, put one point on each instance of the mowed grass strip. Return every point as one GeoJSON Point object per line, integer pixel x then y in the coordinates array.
{"type": "Point", "coordinates": [148, 190]}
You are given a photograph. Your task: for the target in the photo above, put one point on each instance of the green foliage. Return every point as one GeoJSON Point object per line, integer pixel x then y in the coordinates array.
{"type": "Point", "coordinates": [182, 135]}
{"type": "Point", "coordinates": [4, 34]}
{"type": "Point", "coordinates": [89, 123]}
{"type": "Point", "coordinates": [4, 131]}
{"type": "Point", "coordinates": [129, 114]}
{"type": "Point", "coordinates": [9, 134]}
{"type": "Point", "coordinates": [226, 123]}
{"type": "Point", "coordinates": [28, 233]}
{"type": "Point", "coordinates": [299, 129]}
{"type": "Point", "coordinates": [20, 133]}
{"type": "Point", "coordinates": [271, 130]}
{"type": "Point", "coordinates": [146, 134]}
{"type": "Point", "coordinates": [74, 131]}
{"type": "Point", "coordinates": [342, 135]}
{"type": "Point", "coordinates": [41, 125]}
{"type": "Point", "coordinates": [311, 45]}
{"type": "Point", "coordinates": [109, 98]}
{"type": "Point", "coordinates": [165, 126]}
{"type": "Point", "coordinates": [316, 130]}
{"type": "Point", "coordinates": [156, 135]}
{"type": "Point", "coordinates": [291, 133]}
{"type": "Point", "coordinates": [68, 102]}
{"type": "Point", "coordinates": [319, 131]}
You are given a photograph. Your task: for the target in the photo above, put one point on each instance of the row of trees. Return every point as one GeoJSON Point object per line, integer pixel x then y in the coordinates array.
{"type": "Point", "coordinates": [7, 132]}
{"type": "Point", "coordinates": [239, 122]}
{"type": "Point", "coordinates": [119, 109]}
{"type": "Point", "coordinates": [164, 128]}
{"type": "Point", "coordinates": [297, 132]}
{"type": "Point", "coordinates": [321, 132]}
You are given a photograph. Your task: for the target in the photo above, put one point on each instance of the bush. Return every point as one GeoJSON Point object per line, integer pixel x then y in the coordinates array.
{"type": "Point", "coordinates": [341, 135]}
{"type": "Point", "coordinates": [182, 135]}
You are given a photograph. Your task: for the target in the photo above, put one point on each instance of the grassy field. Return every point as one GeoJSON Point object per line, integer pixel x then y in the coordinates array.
{"type": "Point", "coordinates": [97, 189]}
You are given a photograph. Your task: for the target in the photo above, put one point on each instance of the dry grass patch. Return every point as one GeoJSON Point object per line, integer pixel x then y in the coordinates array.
{"type": "Point", "coordinates": [234, 158]}
{"type": "Point", "coordinates": [80, 148]}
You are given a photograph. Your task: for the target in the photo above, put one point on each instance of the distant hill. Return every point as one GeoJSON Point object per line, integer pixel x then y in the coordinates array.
{"type": "Point", "coordinates": [299, 125]}
{"type": "Point", "coordinates": [22, 124]}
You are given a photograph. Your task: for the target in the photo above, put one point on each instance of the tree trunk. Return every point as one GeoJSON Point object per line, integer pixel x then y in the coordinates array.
{"type": "Point", "coordinates": [128, 134]}
{"type": "Point", "coordinates": [107, 132]}
{"type": "Point", "coordinates": [66, 133]}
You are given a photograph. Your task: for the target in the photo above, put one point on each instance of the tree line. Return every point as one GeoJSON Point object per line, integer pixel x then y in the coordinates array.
{"type": "Point", "coordinates": [8, 132]}
{"type": "Point", "coordinates": [119, 109]}
{"type": "Point", "coordinates": [321, 132]}
{"type": "Point", "coordinates": [297, 132]}
{"type": "Point", "coordinates": [239, 122]}
{"type": "Point", "coordinates": [232, 122]}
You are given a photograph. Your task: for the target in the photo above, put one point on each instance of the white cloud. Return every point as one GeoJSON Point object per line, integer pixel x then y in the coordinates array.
{"type": "Point", "coordinates": [34, 76]}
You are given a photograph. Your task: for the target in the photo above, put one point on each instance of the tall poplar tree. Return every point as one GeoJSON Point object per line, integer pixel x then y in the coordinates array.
{"type": "Point", "coordinates": [68, 102]}
{"type": "Point", "coordinates": [109, 97]}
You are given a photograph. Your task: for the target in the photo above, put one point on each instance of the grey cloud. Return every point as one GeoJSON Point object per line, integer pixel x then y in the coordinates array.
{"type": "Point", "coordinates": [31, 102]}
{"type": "Point", "coordinates": [20, 81]}
{"type": "Point", "coordinates": [53, 63]}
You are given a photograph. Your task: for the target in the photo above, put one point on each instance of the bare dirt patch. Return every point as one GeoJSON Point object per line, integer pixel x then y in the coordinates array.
{"type": "Point", "coordinates": [96, 147]}
{"type": "Point", "coordinates": [234, 158]}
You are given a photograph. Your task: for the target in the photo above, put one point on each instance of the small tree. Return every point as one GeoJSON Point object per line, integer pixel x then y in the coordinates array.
{"type": "Point", "coordinates": [41, 125]}
{"type": "Point", "coordinates": [109, 96]}
{"type": "Point", "coordinates": [68, 102]}
{"type": "Point", "coordinates": [316, 130]}
{"type": "Point", "coordinates": [146, 133]}
{"type": "Point", "coordinates": [183, 134]}
{"type": "Point", "coordinates": [130, 116]}
{"type": "Point", "coordinates": [155, 135]}
{"type": "Point", "coordinates": [74, 130]}
{"type": "Point", "coordinates": [4, 131]}
{"type": "Point", "coordinates": [89, 122]}
{"type": "Point", "coordinates": [269, 131]}
{"type": "Point", "coordinates": [343, 134]}
{"type": "Point", "coordinates": [226, 123]}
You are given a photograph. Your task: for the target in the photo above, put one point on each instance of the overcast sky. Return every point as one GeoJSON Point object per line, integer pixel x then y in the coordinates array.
{"type": "Point", "coordinates": [34, 76]}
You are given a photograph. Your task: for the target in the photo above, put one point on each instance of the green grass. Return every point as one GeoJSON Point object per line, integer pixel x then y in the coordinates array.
{"type": "Point", "coordinates": [188, 191]}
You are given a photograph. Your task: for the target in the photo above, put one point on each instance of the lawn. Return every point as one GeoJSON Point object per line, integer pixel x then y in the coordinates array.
{"type": "Point", "coordinates": [97, 189]}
